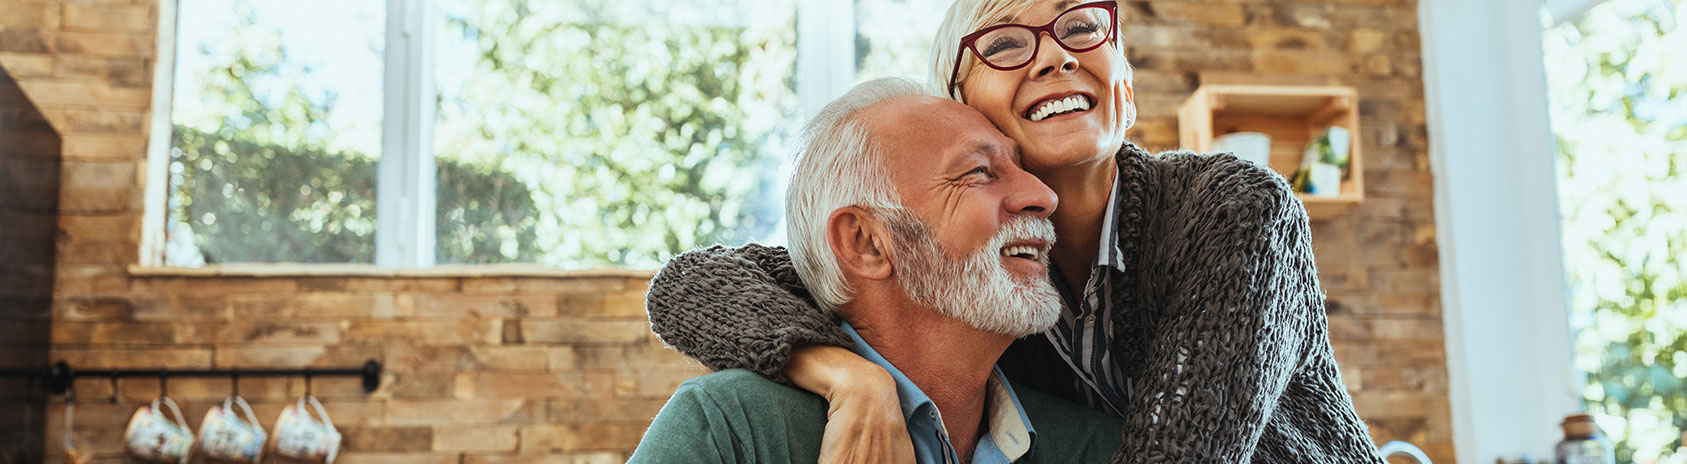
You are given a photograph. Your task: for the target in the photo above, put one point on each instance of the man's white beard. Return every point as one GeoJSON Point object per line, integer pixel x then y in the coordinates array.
{"type": "Point", "coordinates": [978, 291]}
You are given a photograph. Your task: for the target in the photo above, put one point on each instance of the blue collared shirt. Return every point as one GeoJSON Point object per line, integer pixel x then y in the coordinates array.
{"type": "Point", "coordinates": [1008, 438]}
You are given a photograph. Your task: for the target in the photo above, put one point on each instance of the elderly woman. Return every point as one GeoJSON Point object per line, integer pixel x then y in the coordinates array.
{"type": "Point", "coordinates": [1191, 303]}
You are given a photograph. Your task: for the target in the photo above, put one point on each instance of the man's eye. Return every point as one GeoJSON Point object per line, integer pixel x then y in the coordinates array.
{"type": "Point", "coordinates": [982, 171]}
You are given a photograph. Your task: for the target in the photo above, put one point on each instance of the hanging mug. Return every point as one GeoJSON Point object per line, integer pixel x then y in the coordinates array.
{"type": "Point", "coordinates": [299, 436]}
{"type": "Point", "coordinates": [224, 435]}
{"type": "Point", "coordinates": [75, 452]}
{"type": "Point", "coordinates": [151, 435]}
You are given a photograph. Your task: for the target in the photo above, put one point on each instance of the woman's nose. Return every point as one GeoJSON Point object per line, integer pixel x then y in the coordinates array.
{"type": "Point", "coordinates": [1052, 58]}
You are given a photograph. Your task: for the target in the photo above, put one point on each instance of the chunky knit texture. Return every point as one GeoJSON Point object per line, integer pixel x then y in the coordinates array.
{"type": "Point", "coordinates": [1219, 319]}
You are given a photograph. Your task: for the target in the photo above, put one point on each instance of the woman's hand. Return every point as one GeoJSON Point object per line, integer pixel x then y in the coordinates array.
{"type": "Point", "coordinates": [864, 421]}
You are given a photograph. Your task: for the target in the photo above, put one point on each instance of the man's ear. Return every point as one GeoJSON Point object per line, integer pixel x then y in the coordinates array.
{"type": "Point", "coordinates": [860, 242]}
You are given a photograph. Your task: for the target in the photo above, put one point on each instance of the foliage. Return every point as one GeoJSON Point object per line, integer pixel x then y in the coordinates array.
{"type": "Point", "coordinates": [250, 201]}
{"type": "Point", "coordinates": [309, 205]}
{"type": "Point", "coordinates": [1618, 77]}
{"type": "Point", "coordinates": [483, 215]}
{"type": "Point", "coordinates": [642, 129]}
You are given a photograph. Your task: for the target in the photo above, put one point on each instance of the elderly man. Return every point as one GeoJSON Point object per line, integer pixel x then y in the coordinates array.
{"type": "Point", "coordinates": [911, 218]}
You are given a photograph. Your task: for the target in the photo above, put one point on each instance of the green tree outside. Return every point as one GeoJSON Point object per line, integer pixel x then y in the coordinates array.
{"type": "Point", "coordinates": [1618, 79]}
{"type": "Point", "coordinates": [643, 129]}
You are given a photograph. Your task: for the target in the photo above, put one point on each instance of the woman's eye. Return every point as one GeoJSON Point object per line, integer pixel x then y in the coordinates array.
{"type": "Point", "coordinates": [1080, 29]}
{"type": "Point", "coordinates": [1002, 45]}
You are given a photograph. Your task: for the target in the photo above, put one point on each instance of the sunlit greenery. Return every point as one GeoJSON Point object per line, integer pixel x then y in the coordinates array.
{"type": "Point", "coordinates": [642, 128]}
{"type": "Point", "coordinates": [1618, 78]}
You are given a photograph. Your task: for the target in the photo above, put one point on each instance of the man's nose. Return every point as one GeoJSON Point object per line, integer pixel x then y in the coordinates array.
{"type": "Point", "coordinates": [1029, 195]}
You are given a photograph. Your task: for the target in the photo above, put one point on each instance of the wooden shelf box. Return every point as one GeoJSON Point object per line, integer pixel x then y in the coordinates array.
{"type": "Point", "coordinates": [1292, 116]}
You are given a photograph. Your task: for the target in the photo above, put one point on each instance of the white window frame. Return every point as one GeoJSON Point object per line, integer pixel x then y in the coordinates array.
{"type": "Point", "coordinates": [405, 192]}
{"type": "Point", "coordinates": [825, 53]}
{"type": "Point", "coordinates": [405, 181]}
{"type": "Point", "coordinates": [154, 220]}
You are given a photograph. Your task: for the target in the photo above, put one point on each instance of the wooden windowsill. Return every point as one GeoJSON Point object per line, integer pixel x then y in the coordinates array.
{"type": "Point", "coordinates": [369, 270]}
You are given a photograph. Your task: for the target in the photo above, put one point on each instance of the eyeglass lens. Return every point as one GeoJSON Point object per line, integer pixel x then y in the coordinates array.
{"type": "Point", "coordinates": [1077, 29]}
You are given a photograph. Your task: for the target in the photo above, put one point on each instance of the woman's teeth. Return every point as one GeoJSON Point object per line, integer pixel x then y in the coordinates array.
{"type": "Point", "coordinates": [1022, 251]}
{"type": "Point", "coordinates": [1051, 108]}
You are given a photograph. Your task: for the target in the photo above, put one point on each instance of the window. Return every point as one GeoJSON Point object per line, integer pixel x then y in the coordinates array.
{"type": "Point", "coordinates": [276, 132]}
{"type": "Point", "coordinates": [1618, 91]}
{"type": "Point", "coordinates": [575, 134]}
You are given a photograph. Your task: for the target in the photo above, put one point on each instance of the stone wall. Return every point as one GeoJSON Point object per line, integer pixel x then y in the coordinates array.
{"type": "Point", "coordinates": [551, 367]}
{"type": "Point", "coordinates": [490, 369]}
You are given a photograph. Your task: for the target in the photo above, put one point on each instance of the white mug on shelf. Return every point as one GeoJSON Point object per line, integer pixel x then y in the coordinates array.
{"type": "Point", "coordinates": [1250, 146]}
{"type": "Point", "coordinates": [1326, 179]}
{"type": "Point", "coordinates": [151, 435]}
{"type": "Point", "coordinates": [301, 437]}
{"type": "Point", "coordinates": [225, 436]}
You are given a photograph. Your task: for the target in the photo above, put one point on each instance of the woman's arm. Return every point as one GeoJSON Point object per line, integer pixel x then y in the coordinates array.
{"type": "Point", "coordinates": [1241, 299]}
{"type": "Point", "coordinates": [864, 421]}
{"type": "Point", "coordinates": [746, 308]}
{"type": "Point", "coordinates": [738, 308]}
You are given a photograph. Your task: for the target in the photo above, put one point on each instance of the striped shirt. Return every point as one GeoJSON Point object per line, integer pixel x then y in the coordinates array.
{"type": "Point", "coordinates": [1084, 334]}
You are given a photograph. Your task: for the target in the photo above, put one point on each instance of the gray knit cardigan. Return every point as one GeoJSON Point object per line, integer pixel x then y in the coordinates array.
{"type": "Point", "coordinates": [1219, 320]}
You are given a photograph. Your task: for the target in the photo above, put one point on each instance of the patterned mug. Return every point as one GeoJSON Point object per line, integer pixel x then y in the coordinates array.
{"type": "Point", "coordinates": [151, 435]}
{"type": "Point", "coordinates": [225, 436]}
{"type": "Point", "coordinates": [301, 437]}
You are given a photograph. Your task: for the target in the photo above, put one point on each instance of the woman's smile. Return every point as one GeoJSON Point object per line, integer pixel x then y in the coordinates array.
{"type": "Point", "coordinates": [1058, 105]}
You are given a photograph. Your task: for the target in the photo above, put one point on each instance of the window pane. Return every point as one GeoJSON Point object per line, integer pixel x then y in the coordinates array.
{"type": "Point", "coordinates": [893, 37]}
{"type": "Point", "coordinates": [277, 128]}
{"type": "Point", "coordinates": [609, 133]}
{"type": "Point", "coordinates": [1619, 109]}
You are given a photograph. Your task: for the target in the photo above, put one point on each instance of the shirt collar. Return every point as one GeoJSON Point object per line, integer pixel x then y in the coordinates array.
{"type": "Point", "coordinates": [1108, 252]}
{"type": "Point", "coordinates": [1010, 429]}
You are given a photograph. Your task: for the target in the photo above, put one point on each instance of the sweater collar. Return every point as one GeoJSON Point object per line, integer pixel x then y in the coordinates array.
{"type": "Point", "coordinates": [1133, 181]}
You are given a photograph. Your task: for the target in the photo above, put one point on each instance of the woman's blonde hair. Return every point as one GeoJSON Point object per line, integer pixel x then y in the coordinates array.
{"type": "Point", "coordinates": [966, 16]}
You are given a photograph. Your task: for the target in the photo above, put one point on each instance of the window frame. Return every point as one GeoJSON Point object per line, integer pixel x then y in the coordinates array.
{"type": "Point", "coordinates": [405, 192]}
{"type": "Point", "coordinates": [405, 184]}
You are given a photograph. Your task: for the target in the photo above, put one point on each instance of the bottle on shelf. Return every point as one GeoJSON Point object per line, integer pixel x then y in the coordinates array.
{"type": "Point", "coordinates": [1584, 443]}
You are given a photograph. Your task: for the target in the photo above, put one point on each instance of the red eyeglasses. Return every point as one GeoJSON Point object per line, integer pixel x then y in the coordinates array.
{"type": "Point", "coordinates": [1007, 47]}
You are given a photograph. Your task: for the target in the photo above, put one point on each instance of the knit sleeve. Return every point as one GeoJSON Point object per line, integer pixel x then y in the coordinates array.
{"type": "Point", "coordinates": [1237, 317]}
{"type": "Point", "coordinates": [741, 308]}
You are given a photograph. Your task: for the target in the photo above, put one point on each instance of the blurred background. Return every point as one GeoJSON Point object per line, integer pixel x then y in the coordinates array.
{"type": "Point", "coordinates": [474, 193]}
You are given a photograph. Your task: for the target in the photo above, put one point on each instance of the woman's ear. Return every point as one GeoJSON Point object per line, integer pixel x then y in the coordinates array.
{"type": "Point", "coordinates": [1129, 108]}
{"type": "Point", "coordinates": [860, 242]}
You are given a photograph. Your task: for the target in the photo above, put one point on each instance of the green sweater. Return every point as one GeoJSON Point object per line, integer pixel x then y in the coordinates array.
{"type": "Point", "coordinates": [736, 416]}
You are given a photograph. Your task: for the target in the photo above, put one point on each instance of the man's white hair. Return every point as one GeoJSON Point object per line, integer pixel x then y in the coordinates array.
{"type": "Point", "coordinates": [837, 166]}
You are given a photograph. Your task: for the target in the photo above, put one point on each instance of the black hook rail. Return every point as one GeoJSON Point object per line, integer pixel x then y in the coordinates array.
{"type": "Point", "coordinates": [60, 375]}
